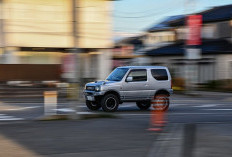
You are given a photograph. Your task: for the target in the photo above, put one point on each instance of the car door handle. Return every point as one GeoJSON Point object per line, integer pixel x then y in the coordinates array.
{"type": "Point", "coordinates": [146, 85]}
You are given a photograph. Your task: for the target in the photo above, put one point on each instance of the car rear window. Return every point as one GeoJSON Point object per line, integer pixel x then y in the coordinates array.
{"type": "Point", "coordinates": [159, 74]}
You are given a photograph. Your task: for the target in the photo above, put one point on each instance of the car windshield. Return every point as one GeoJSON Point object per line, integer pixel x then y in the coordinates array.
{"type": "Point", "coordinates": [117, 74]}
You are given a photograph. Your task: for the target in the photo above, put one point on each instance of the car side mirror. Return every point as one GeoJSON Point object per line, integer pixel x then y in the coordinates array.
{"type": "Point", "coordinates": [129, 79]}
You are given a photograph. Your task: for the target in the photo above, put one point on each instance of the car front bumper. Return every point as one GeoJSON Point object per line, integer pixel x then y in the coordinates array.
{"type": "Point", "coordinates": [90, 95]}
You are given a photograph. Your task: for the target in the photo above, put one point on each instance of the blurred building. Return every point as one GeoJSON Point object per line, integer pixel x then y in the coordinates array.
{"type": "Point", "coordinates": [47, 31]}
{"type": "Point", "coordinates": [123, 52]}
{"type": "Point", "coordinates": [165, 45]}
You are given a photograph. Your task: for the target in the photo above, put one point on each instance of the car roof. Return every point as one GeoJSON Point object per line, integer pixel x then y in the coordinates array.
{"type": "Point", "coordinates": [144, 67]}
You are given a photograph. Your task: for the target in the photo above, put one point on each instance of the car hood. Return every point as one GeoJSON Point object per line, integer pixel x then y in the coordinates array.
{"type": "Point", "coordinates": [98, 83]}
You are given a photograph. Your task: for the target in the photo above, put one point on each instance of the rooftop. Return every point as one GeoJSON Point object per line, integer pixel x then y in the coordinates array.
{"type": "Point", "coordinates": [214, 46]}
{"type": "Point", "coordinates": [220, 13]}
{"type": "Point", "coordinates": [216, 14]}
{"type": "Point", "coordinates": [164, 24]}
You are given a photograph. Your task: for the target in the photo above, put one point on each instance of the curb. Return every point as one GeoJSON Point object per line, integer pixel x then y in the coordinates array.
{"type": "Point", "coordinates": [80, 116]}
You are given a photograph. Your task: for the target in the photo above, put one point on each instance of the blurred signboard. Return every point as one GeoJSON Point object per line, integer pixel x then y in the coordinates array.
{"type": "Point", "coordinates": [68, 66]}
{"type": "Point", "coordinates": [124, 50]}
{"type": "Point", "coordinates": [194, 23]}
{"type": "Point", "coordinates": [29, 72]}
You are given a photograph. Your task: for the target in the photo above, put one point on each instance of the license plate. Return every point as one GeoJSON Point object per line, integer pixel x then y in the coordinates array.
{"type": "Point", "coordinates": [90, 98]}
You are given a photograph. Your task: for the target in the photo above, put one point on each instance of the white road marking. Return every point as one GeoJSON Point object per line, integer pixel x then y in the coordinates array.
{"type": "Point", "coordinates": [22, 108]}
{"type": "Point", "coordinates": [5, 117]}
{"type": "Point", "coordinates": [128, 105]}
{"type": "Point", "coordinates": [207, 105]}
{"type": "Point", "coordinates": [8, 118]}
{"type": "Point", "coordinates": [191, 100]}
{"type": "Point", "coordinates": [172, 105]}
{"type": "Point", "coordinates": [220, 109]}
{"type": "Point", "coordinates": [65, 110]}
{"type": "Point", "coordinates": [86, 113]}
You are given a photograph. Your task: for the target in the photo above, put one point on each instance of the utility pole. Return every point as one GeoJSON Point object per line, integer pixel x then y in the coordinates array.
{"type": "Point", "coordinates": [2, 34]}
{"type": "Point", "coordinates": [74, 80]}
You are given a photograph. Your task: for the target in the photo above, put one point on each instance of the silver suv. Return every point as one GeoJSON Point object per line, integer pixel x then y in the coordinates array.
{"type": "Point", "coordinates": [140, 84]}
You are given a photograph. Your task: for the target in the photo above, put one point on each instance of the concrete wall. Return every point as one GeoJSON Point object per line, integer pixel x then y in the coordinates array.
{"type": "Point", "coordinates": [49, 23]}
{"type": "Point", "coordinates": [95, 24]}
{"type": "Point", "coordinates": [96, 64]}
{"type": "Point", "coordinates": [14, 56]}
{"type": "Point", "coordinates": [38, 23]}
{"type": "Point", "coordinates": [104, 63]}
{"type": "Point", "coordinates": [223, 67]}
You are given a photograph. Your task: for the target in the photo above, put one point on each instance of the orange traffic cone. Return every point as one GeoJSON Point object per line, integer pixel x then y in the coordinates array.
{"type": "Point", "coordinates": [157, 113]}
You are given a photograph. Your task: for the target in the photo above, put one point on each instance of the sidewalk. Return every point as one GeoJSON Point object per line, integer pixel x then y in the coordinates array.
{"type": "Point", "coordinates": [181, 140]}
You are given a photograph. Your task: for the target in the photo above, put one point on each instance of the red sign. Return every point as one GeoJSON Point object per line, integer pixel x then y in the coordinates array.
{"type": "Point", "coordinates": [68, 63]}
{"type": "Point", "coordinates": [194, 23]}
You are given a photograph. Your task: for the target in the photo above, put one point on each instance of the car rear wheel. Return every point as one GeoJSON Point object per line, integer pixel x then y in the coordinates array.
{"type": "Point", "coordinates": [143, 105]}
{"type": "Point", "coordinates": [92, 105]}
{"type": "Point", "coordinates": [161, 102]}
{"type": "Point", "coordinates": [110, 103]}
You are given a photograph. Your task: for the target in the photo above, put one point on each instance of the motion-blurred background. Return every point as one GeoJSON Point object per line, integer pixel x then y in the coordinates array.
{"type": "Point", "coordinates": [46, 42]}
{"type": "Point", "coordinates": [59, 45]}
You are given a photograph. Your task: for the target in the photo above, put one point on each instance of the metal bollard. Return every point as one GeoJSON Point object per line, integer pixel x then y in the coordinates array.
{"type": "Point", "coordinates": [50, 102]}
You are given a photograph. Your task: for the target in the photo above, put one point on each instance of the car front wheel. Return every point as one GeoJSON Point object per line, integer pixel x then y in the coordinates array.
{"type": "Point", "coordinates": [110, 103]}
{"type": "Point", "coordinates": [92, 105]}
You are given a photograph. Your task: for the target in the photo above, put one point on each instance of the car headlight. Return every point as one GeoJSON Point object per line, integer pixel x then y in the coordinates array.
{"type": "Point", "coordinates": [97, 88]}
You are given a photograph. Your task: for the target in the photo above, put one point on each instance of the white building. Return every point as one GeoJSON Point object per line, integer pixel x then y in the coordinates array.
{"type": "Point", "coordinates": [165, 45]}
{"type": "Point", "coordinates": [47, 31]}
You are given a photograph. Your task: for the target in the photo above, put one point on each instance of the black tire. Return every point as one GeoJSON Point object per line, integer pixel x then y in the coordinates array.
{"type": "Point", "coordinates": [165, 99]}
{"type": "Point", "coordinates": [143, 105]}
{"type": "Point", "coordinates": [110, 103]}
{"type": "Point", "coordinates": [92, 105]}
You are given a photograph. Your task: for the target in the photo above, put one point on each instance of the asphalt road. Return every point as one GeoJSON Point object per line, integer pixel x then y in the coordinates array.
{"type": "Point", "coordinates": [123, 136]}
{"type": "Point", "coordinates": [183, 109]}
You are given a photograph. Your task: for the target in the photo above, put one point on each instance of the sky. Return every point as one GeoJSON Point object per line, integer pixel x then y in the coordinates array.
{"type": "Point", "coordinates": [132, 17]}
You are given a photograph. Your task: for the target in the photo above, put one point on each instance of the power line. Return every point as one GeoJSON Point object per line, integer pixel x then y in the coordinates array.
{"type": "Point", "coordinates": [142, 12]}
{"type": "Point", "coordinates": [146, 16]}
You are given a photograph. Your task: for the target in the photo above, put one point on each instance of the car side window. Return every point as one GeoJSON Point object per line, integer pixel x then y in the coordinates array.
{"type": "Point", "coordinates": [138, 75]}
{"type": "Point", "coordinates": [159, 74]}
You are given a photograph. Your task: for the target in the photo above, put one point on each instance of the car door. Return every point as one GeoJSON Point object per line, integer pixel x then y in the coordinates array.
{"type": "Point", "coordinates": [137, 87]}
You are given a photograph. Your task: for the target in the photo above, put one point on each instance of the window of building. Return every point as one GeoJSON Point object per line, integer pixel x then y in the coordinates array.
{"type": "Point", "coordinates": [159, 74]}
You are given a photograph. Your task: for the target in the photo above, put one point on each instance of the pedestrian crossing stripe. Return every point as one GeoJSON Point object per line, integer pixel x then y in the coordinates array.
{"type": "Point", "coordinates": [4, 117]}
